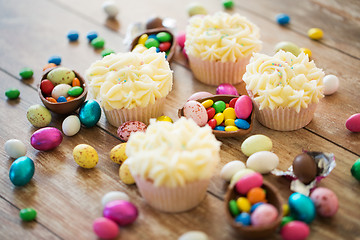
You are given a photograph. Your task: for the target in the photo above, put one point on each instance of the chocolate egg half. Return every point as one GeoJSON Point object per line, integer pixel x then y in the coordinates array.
{"type": "Point", "coordinates": [304, 168]}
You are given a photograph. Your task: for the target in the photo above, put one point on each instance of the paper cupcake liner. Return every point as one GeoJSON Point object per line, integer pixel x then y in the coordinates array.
{"type": "Point", "coordinates": [117, 117]}
{"type": "Point", "coordinates": [177, 199]}
{"type": "Point", "coordinates": [216, 72]}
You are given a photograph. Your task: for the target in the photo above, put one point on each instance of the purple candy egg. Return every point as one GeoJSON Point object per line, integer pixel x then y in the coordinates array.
{"type": "Point", "coordinates": [120, 211]}
{"type": "Point", "coordinates": [46, 138]}
{"type": "Point", "coordinates": [226, 88]}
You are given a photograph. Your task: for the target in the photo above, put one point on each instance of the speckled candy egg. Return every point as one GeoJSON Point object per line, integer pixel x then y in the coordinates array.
{"type": "Point", "coordinates": [85, 156]}
{"type": "Point", "coordinates": [61, 75]}
{"type": "Point", "coordinates": [105, 228]}
{"type": "Point", "coordinates": [125, 130]}
{"type": "Point", "coordinates": [71, 125]}
{"type": "Point", "coordinates": [125, 174]}
{"type": "Point", "coordinates": [46, 139]}
{"type": "Point", "coordinates": [117, 153]}
{"type": "Point", "coordinates": [15, 148]}
{"type": "Point", "coordinates": [90, 113]}
{"type": "Point", "coordinates": [263, 162]}
{"type": "Point", "coordinates": [120, 211]}
{"type": "Point", "coordinates": [38, 116]}
{"type": "Point", "coordinates": [60, 90]}
{"type": "Point", "coordinates": [295, 230]}
{"type": "Point", "coordinates": [114, 195]}
{"type": "Point", "coordinates": [229, 169]}
{"type": "Point", "coordinates": [302, 207]}
{"type": "Point", "coordinates": [326, 201]}
{"type": "Point", "coordinates": [196, 111]}
{"type": "Point", "coordinates": [264, 215]}
{"type": "Point", "coordinates": [21, 171]}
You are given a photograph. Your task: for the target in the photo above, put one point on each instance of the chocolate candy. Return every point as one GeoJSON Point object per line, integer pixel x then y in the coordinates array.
{"type": "Point", "coordinates": [229, 169]}
{"type": "Point", "coordinates": [27, 214]}
{"type": "Point", "coordinates": [112, 196]}
{"type": "Point", "coordinates": [234, 210]}
{"type": "Point", "coordinates": [248, 182]}
{"type": "Point", "coordinates": [55, 59]}
{"type": "Point", "coordinates": [85, 156]}
{"type": "Point", "coordinates": [91, 35]}
{"type": "Point", "coordinates": [38, 116]}
{"type": "Point", "coordinates": [61, 99]}
{"type": "Point", "coordinates": [118, 154]}
{"type": "Point", "coordinates": [264, 215]}
{"type": "Point", "coordinates": [46, 87]}
{"type": "Point", "coordinates": [46, 138]}
{"type": "Point", "coordinates": [355, 170]}
{"type": "Point", "coordinates": [73, 35]}
{"type": "Point", "coordinates": [106, 52]}
{"type": "Point", "coordinates": [304, 168]}
{"type": "Point", "coordinates": [315, 33]}
{"type": "Point", "coordinates": [12, 93]}
{"type": "Point", "coordinates": [15, 148]}
{"type": "Point", "coordinates": [353, 123]}
{"type": "Point", "coordinates": [154, 22]}
{"type": "Point", "coordinates": [219, 106]}
{"type": "Point", "coordinates": [152, 42]}
{"type": "Point", "coordinates": [26, 73]}
{"type": "Point", "coordinates": [60, 90]}
{"type": "Point", "coordinates": [282, 19]}
{"type": "Point", "coordinates": [306, 51]}
{"type": "Point", "coordinates": [98, 42]}
{"type": "Point", "coordinates": [228, 4]}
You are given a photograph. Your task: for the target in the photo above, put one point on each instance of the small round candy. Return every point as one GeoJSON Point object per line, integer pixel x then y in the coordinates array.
{"type": "Point", "coordinates": [286, 209]}
{"type": "Point", "coordinates": [125, 174]}
{"type": "Point", "coordinates": [164, 119]}
{"type": "Point", "coordinates": [315, 33]}
{"type": "Point", "coordinates": [55, 59]}
{"type": "Point", "coordinates": [212, 123]}
{"type": "Point", "coordinates": [193, 235]}
{"type": "Point", "coordinates": [61, 99]}
{"type": "Point", "coordinates": [75, 91]}
{"type": "Point", "coordinates": [331, 84]}
{"type": "Point", "coordinates": [256, 195]}
{"type": "Point", "coordinates": [27, 214]}
{"type": "Point", "coordinates": [120, 211]}
{"type": "Point", "coordinates": [71, 125]}
{"type": "Point", "coordinates": [288, 47]}
{"type": "Point", "coordinates": [114, 195]}
{"type": "Point", "coordinates": [243, 204]}
{"type": "Point", "coordinates": [286, 220]}
{"type": "Point", "coordinates": [85, 156]}
{"type": "Point", "coordinates": [196, 9]}
{"type": "Point", "coordinates": [243, 107]}
{"type": "Point", "coordinates": [326, 201]}
{"type": "Point", "coordinates": [26, 73]}
{"type": "Point", "coordinates": [105, 228]}
{"type": "Point", "coordinates": [219, 106]}
{"type": "Point", "coordinates": [295, 230]}
{"type": "Point", "coordinates": [142, 39]}
{"type": "Point", "coordinates": [164, 46]}
{"type": "Point", "coordinates": [353, 123]}
{"type": "Point", "coordinates": [107, 51]}
{"type": "Point", "coordinates": [355, 169]}
{"type": "Point", "coordinates": [226, 88]}
{"type": "Point", "coordinates": [38, 116]}
{"type": "Point", "coordinates": [46, 87]}
{"type": "Point", "coordinates": [110, 8]}
{"type": "Point", "coordinates": [282, 19]}
{"type": "Point", "coordinates": [306, 51]}
{"type": "Point", "coordinates": [264, 215]}
{"type": "Point", "coordinates": [229, 113]}
{"type": "Point", "coordinates": [229, 122]}
{"type": "Point", "coordinates": [163, 37]}
{"type": "Point", "coordinates": [241, 123]}
{"type": "Point", "coordinates": [12, 93]}
{"type": "Point", "coordinates": [152, 42]}
{"type": "Point", "coordinates": [98, 42]}
{"type": "Point", "coordinates": [117, 153]}
{"type": "Point", "coordinates": [219, 128]}
{"type": "Point", "coordinates": [243, 218]}
{"type": "Point", "coordinates": [231, 129]}
{"type": "Point", "coordinates": [228, 4]}
{"type": "Point", "coordinates": [253, 207]}
{"type": "Point", "coordinates": [15, 148]}
{"type": "Point", "coordinates": [219, 117]}
{"type": "Point", "coordinates": [233, 208]}
{"type": "Point", "coordinates": [207, 103]}
{"type": "Point", "coordinates": [230, 169]}
{"type": "Point", "coordinates": [73, 35]}
{"type": "Point", "coordinates": [180, 39]}
{"type": "Point", "coordinates": [91, 35]}
{"type": "Point", "coordinates": [210, 112]}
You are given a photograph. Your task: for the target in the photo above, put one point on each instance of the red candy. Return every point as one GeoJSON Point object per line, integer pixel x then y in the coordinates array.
{"type": "Point", "coordinates": [232, 102]}
{"type": "Point", "coordinates": [212, 123]}
{"type": "Point", "coordinates": [46, 87]}
{"type": "Point", "coordinates": [210, 112]}
{"type": "Point", "coordinates": [164, 46]}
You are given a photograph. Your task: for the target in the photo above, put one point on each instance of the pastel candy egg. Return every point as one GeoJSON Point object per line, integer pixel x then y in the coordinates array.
{"type": "Point", "coordinates": [60, 90]}
{"type": "Point", "coordinates": [331, 84]}
{"type": "Point", "coordinates": [117, 153]}
{"type": "Point", "coordinates": [226, 88]}
{"type": "Point", "coordinates": [105, 228]}
{"type": "Point", "coordinates": [85, 156]}
{"type": "Point", "coordinates": [239, 174]}
{"type": "Point", "coordinates": [27, 214]}
{"type": "Point", "coordinates": [355, 169]}
{"type": "Point", "coordinates": [241, 123]}
{"type": "Point", "coordinates": [243, 107]}
{"type": "Point", "coordinates": [326, 201]}
{"type": "Point", "coordinates": [353, 123]}
{"type": "Point", "coordinates": [125, 174]}
{"type": "Point", "coordinates": [230, 169]}
{"type": "Point", "coordinates": [129, 127]}
{"type": "Point", "coordinates": [110, 8]}
{"type": "Point", "coordinates": [21, 171]}
{"type": "Point", "coordinates": [248, 182]}
{"type": "Point", "coordinates": [26, 73]}
{"type": "Point", "coordinates": [46, 87]}
{"type": "Point", "coordinates": [295, 230]}
{"type": "Point", "coordinates": [194, 235]}
{"type": "Point", "coordinates": [196, 9]}
{"type": "Point", "coordinates": [112, 196]}
{"type": "Point", "coordinates": [55, 59]}
{"type": "Point", "coordinates": [288, 47]}
{"type": "Point", "coordinates": [199, 95]}
{"type": "Point", "coordinates": [264, 215]}
{"type": "Point", "coordinates": [120, 211]}
{"type": "Point", "coordinates": [38, 116]}
{"type": "Point", "coordinates": [12, 93]}
{"type": "Point", "coordinates": [315, 33]}
{"type": "Point", "coordinates": [243, 218]}
{"type": "Point", "coordinates": [196, 111]}
{"type": "Point", "coordinates": [61, 75]}
{"type": "Point", "coordinates": [282, 19]}
{"type": "Point", "coordinates": [89, 113]}
{"type": "Point", "coordinates": [256, 143]}
{"type": "Point", "coordinates": [302, 207]}
{"type": "Point", "coordinates": [180, 39]}
{"type": "Point", "coordinates": [46, 139]}
{"type": "Point", "coordinates": [263, 162]}
{"type": "Point", "coordinates": [71, 125]}
{"type": "Point", "coordinates": [15, 148]}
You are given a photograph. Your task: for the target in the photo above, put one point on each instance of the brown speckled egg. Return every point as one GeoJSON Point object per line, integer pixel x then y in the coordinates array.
{"type": "Point", "coordinates": [129, 127]}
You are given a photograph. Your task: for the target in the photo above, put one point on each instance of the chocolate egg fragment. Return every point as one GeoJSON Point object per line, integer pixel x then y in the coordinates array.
{"type": "Point", "coordinates": [304, 168]}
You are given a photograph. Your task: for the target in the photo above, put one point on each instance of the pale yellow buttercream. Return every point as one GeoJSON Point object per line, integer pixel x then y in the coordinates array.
{"type": "Point", "coordinates": [129, 80]}
{"type": "Point", "coordinates": [221, 37]}
{"type": "Point", "coordinates": [284, 80]}
{"type": "Point", "coordinates": [173, 154]}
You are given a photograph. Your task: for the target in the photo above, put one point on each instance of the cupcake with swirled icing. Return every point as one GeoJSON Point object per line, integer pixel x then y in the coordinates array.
{"type": "Point", "coordinates": [285, 89]}
{"type": "Point", "coordinates": [172, 163]}
{"type": "Point", "coordinates": [131, 86]}
{"type": "Point", "coordinates": [219, 47]}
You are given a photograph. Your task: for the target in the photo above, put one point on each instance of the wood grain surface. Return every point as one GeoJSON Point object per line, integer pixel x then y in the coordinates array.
{"type": "Point", "coordinates": [68, 198]}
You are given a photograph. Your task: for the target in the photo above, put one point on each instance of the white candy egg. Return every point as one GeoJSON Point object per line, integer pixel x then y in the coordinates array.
{"type": "Point", "coordinates": [331, 84]}
{"type": "Point", "coordinates": [60, 90]}
{"type": "Point", "coordinates": [193, 235]}
{"type": "Point", "coordinates": [230, 169]}
{"type": "Point", "coordinates": [71, 125]}
{"type": "Point", "coordinates": [15, 148]}
{"type": "Point", "coordinates": [114, 195]}
{"type": "Point", "coordinates": [263, 162]}
{"type": "Point", "coordinates": [110, 8]}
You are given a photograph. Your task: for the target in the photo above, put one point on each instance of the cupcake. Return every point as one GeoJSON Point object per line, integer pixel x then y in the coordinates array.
{"type": "Point", "coordinates": [219, 47]}
{"type": "Point", "coordinates": [285, 89]}
{"type": "Point", "coordinates": [130, 86]}
{"type": "Point", "coordinates": [172, 163]}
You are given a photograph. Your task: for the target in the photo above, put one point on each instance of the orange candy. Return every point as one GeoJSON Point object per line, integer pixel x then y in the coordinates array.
{"type": "Point", "coordinates": [50, 65]}
{"type": "Point", "coordinates": [256, 195]}
{"type": "Point", "coordinates": [76, 82]}
{"type": "Point", "coordinates": [51, 99]}
{"type": "Point", "coordinates": [70, 98]}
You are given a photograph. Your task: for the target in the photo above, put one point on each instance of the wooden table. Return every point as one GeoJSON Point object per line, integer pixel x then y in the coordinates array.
{"type": "Point", "coordinates": [67, 197]}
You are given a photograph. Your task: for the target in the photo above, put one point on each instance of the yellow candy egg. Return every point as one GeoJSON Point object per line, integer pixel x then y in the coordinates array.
{"type": "Point", "coordinates": [229, 113]}
{"type": "Point", "coordinates": [143, 39]}
{"type": "Point", "coordinates": [125, 174]}
{"type": "Point", "coordinates": [207, 103]}
{"type": "Point", "coordinates": [219, 117]}
{"type": "Point", "coordinates": [231, 128]}
{"type": "Point", "coordinates": [85, 156]}
{"type": "Point", "coordinates": [165, 119]}
{"type": "Point", "coordinates": [243, 204]}
{"type": "Point", "coordinates": [229, 122]}
{"type": "Point", "coordinates": [315, 33]}
{"type": "Point", "coordinates": [306, 51]}
{"type": "Point", "coordinates": [117, 154]}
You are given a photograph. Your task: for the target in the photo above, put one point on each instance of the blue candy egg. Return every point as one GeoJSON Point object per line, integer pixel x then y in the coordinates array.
{"type": "Point", "coordinates": [55, 59]}
{"type": "Point", "coordinates": [91, 35]}
{"type": "Point", "coordinates": [242, 124]}
{"type": "Point", "coordinates": [73, 35]}
{"type": "Point", "coordinates": [302, 207]}
{"type": "Point", "coordinates": [243, 218]}
{"type": "Point", "coordinates": [219, 128]}
{"type": "Point", "coordinates": [89, 113]}
{"type": "Point", "coordinates": [282, 19]}
{"type": "Point", "coordinates": [21, 171]}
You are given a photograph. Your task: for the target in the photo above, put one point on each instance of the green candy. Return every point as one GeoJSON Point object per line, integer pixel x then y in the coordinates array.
{"type": "Point", "coordinates": [106, 52]}
{"type": "Point", "coordinates": [355, 169]}
{"type": "Point", "coordinates": [163, 37]}
{"type": "Point", "coordinates": [12, 93]}
{"type": "Point", "coordinates": [152, 42]}
{"type": "Point", "coordinates": [98, 42]}
{"type": "Point", "coordinates": [27, 214]}
{"type": "Point", "coordinates": [219, 106]}
{"type": "Point", "coordinates": [288, 47]}
{"type": "Point", "coordinates": [26, 73]}
{"type": "Point", "coordinates": [234, 210]}
{"type": "Point", "coordinates": [228, 4]}
{"type": "Point", "coordinates": [286, 220]}
{"type": "Point", "coordinates": [75, 91]}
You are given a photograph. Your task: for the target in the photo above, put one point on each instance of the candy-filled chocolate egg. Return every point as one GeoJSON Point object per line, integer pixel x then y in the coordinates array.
{"type": "Point", "coordinates": [89, 113]}
{"type": "Point", "coordinates": [21, 171]}
{"type": "Point", "coordinates": [304, 168]}
{"type": "Point", "coordinates": [302, 207]}
{"type": "Point", "coordinates": [46, 139]}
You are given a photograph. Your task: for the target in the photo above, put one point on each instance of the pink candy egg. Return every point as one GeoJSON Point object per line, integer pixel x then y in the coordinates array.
{"type": "Point", "coordinates": [125, 130]}
{"type": "Point", "coordinates": [243, 107]}
{"type": "Point", "coordinates": [248, 182]}
{"type": "Point", "coordinates": [199, 95]}
{"type": "Point", "coordinates": [180, 39]}
{"type": "Point", "coordinates": [353, 123]}
{"type": "Point", "coordinates": [196, 111]}
{"type": "Point", "coordinates": [105, 228]}
{"type": "Point", "coordinates": [295, 230]}
{"type": "Point", "coordinates": [46, 138]}
{"type": "Point", "coordinates": [326, 202]}
{"type": "Point", "coordinates": [120, 211]}
{"type": "Point", "coordinates": [226, 88]}
{"type": "Point", "coordinates": [264, 215]}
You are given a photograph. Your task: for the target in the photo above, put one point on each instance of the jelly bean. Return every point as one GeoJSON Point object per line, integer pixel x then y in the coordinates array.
{"type": "Point", "coordinates": [68, 99]}
{"type": "Point", "coordinates": [219, 128]}
{"type": "Point", "coordinates": [152, 42]}
{"type": "Point", "coordinates": [286, 209]}
{"type": "Point", "coordinates": [55, 59]}
{"type": "Point", "coordinates": [264, 215]}
{"type": "Point", "coordinates": [98, 42]}
{"type": "Point", "coordinates": [315, 33]}
{"type": "Point", "coordinates": [26, 73]}
{"type": "Point", "coordinates": [51, 99]}
{"type": "Point", "coordinates": [353, 123]}
{"type": "Point", "coordinates": [256, 143]}
{"type": "Point", "coordinates": [210, 112]}
{"type": "Point", "coordinates": [231, 129]}
{"type": "Point", "coordinates": [110, 8]}
{"type": "Point", "coordinates": [227, 105]}
{"type": "Point", "coordinates": [219, 117]}
{"type": "Point", "coordinates": [27, 214]}
{"type": "Point", "coordinates": [288, 47]}
{"type": "Point", "coordinates": [243, 204]}
{"type": "Point", "coordinates": [75, 91]}
{"type": "Point", "coordinates": [242, 124]}
{"type": "Point", "coordinates": [164, 118]}
{"type": "Point", "coordinates": [229, 122]}
{"type": "Point", "coordinates": [331, 84]}
{"type": "Point", "coordinates": [46, 87]}
{"type": "Point", "coordinates": [229, 113]}
{"type": "Point", "coordinates": [21, 171]}
{"type": "Point", "coordinates": [244, 219]}
{"type": "Point", "coordinates": [282, 19]}
{"type": "Point", "coordinates": [306, 51]}
{"type": "Point", "coordinates": [256, 195]}
{"type": "Point", "coordinates": [61, 99]}
{"type": "Point", "coordinates": [229, 169]}
{"type": "Point", "coordinates": [355, 169]}
{"type": "Point", "coordinates": [142, 39]}
{"type": "Point", "coordinates": [91, 35]}
{"type": "Point", "coordinates": [207, 103]}
{"type": "Point", "coordinates": [232, 102]}
{"type": "Point", "coordinates": [253, 207]}
{"type": "Point", "coordinates": [212, 123]}
{"type": "Point", "coordinates": [228, 4]}
{"type": "Point", "coordinates": [180, 39]}
{"type": "Point", "coordinates": [302, 207]}
{"type": "Point", "coordinates": [164, 46]}
{"type": "Point", "coordinates": [234, 210]}
{"type": "Point", "coordinates": [243, 107]}
{"type": "Point", "coordinates": [219, 106]}
{"type": "Point", "coordinates": [49, 65]}
{"type": "Point", "coordinates": [195, 9]}
{"type": "Point", "coordinates": [106, 52]}
{"type": "Point", "coordinates": [248, 182]}
{"type": "Point", "coordinates": [326, 201]}
{"type": "Point", "coordinates": [75, 82]}
{"type": "Point", "coordinates": [12, 93]}
{"type": "Point", "coordinates": [163, 37]}
{"type": "Point", "coordinates": [226, 88]}
{"type": "Point", "coordinates": [73, 35]}
{"type": "Point", "coordinates": [286, 220]}
{"type": "Point", "coordinates": [105, 228]}
{"type": "Point", "coordinates": [295, 230]}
